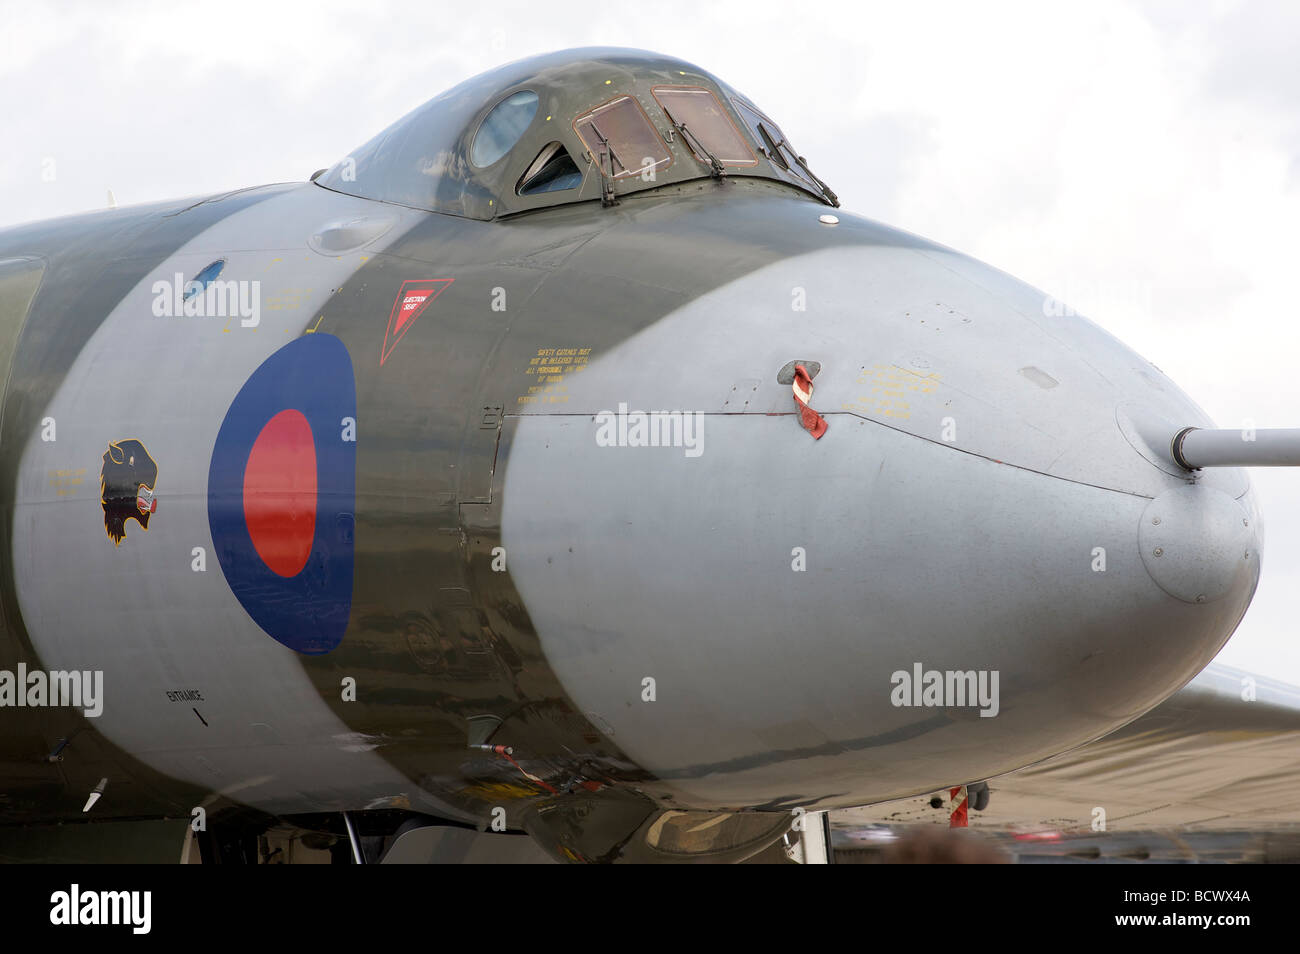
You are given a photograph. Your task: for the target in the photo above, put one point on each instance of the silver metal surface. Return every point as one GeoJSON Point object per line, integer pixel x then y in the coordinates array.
{"type": "Point", "coordinates": [1237, 447]}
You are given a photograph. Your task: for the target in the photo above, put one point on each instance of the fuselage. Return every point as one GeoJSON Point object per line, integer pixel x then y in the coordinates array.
{"type": "Point", "coordinates": [517, 580]}
{"type": "Point", "coordinates": [497, 496]}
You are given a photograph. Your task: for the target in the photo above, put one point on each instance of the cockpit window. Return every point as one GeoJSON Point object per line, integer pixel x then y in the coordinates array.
{"type": "Point", "coordinates": [552, 171]}
{"type": "Point", "coordinates": [508, 142]}
{"type": "Point", "coordinates": [621, 140]}
{"type": "Point", "coordinates": [705, 126]}
{"type": "Point", "coordinates": [782, 155]}
{"type": "Point", "coordinates": [773, 143]}
{"type": "Point", "coordinates": [502, 127]}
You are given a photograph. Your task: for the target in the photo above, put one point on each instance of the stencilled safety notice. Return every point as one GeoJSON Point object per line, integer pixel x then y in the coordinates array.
{"type": "Point", "coordinates": [892, 390]}
{"type": "Point", "coordinates": [549, 372]}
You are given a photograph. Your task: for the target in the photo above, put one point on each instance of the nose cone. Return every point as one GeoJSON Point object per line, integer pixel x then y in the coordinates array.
{"type": "Point", "coordinates": [984, 504]}
{"type": "Point", "coordinates": [1199, 544]}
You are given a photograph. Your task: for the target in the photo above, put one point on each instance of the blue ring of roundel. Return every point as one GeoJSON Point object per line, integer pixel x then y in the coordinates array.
{"type": "Point", "coordinates": [307, 612]}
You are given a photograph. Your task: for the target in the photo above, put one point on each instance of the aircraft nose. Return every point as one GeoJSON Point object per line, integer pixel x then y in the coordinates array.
{"type": "Point", "coordinates": [974, 511]}
{"type": "Point", "coordinates": [1199, 544]}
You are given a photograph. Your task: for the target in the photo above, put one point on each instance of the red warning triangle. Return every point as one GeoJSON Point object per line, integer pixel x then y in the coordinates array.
{"type": "Point", "coordinates": [412, 298]}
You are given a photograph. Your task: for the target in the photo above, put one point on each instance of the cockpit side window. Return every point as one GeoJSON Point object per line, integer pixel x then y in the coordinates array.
{"type": "Point", "coordinates": [705, 126]}
{"type": "Point", "coordinates": [621, 139]}
{"type": "Point", "coordinates": [552, 171]}
{"type": "Point", "coordinates": [502, 127]}
{"type": "Point", "coordinates": [772, 142]}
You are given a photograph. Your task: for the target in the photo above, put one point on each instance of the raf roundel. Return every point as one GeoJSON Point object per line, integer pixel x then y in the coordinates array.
{"type": "Point", "coordinates": [282, 492]}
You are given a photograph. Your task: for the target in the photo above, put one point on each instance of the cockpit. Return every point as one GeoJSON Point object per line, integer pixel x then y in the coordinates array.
{"type": "Point", "coordinates": [574, 126]}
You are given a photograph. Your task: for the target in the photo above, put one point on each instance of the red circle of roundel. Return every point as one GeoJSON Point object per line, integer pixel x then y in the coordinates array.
{"type": "Point", "coordinates": [280, 493]}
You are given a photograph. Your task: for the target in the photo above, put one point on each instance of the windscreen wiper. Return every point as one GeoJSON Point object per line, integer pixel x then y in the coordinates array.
{"type": "Point", "coordinates": [716, 168]}
{"type": "Point", "coordinates": [784, 143]}
{"type": "Point", "coordinates": [607, 196]}
{"type": "Point", "coordinates": [826, 190]}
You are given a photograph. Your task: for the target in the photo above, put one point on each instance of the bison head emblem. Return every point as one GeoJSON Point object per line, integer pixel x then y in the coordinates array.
{"type": "Point", "coordinates": [126, 487]}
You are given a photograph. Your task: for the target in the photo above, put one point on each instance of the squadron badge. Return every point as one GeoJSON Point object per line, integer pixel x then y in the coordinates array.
{"type": "Point", "coordinates": [126, 487]}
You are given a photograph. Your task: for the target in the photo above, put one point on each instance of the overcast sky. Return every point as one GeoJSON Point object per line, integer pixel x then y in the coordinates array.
{"type": "Point", "coordinates": [1140, 161]}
